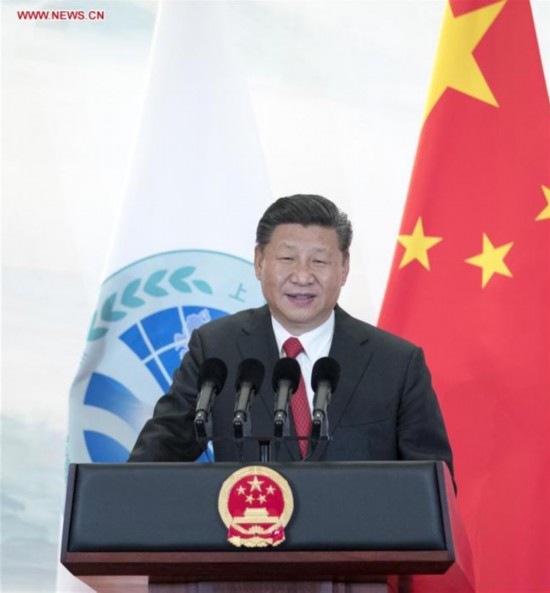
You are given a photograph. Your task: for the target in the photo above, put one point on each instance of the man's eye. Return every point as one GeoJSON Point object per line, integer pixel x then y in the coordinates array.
{"type": "Point", "coordinates": [319, 261]}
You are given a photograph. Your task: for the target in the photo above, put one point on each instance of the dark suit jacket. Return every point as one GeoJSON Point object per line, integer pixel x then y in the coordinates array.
{"type": "Point", "coordinates": [384, 407]}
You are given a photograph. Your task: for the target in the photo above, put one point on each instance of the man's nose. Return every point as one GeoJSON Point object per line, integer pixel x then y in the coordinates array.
{"type": "Point", "coordinates": [302, 273]}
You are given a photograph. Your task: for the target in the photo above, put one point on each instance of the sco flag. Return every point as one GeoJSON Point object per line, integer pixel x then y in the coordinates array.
{"type": "Point", "coordinates": [470, 281]}
{"type": "Point", "coordinates": [182, 250]}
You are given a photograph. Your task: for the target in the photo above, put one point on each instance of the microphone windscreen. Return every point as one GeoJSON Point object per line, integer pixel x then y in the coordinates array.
{"type": "Point", "coordinates": [213, 370]}
{"type": "Point", "coordinates": [250, 371]}
{"type": "Point", "coordinates": [325, 369]}
{"type": "Point", "coordinates": [289, 369]}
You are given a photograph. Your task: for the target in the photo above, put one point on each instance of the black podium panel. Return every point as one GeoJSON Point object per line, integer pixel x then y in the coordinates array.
{"type": "Point", "coordinates": [165, 507]}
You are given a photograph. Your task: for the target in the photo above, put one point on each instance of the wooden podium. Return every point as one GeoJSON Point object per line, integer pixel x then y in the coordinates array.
{"type": "Point", "coordinates": [357, 527]}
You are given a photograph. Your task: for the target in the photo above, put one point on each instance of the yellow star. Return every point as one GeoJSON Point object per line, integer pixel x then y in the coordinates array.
{"type": "Point", "coordinates": [491, 260]}
{"type": "Point", "coordinates": [545, 214]}
{"type": "Point", "coordinates": [417, 245]}
{"type": "Point", "coordinates": [455, 66]}
{"type": "Point", "coordinates": [256, 484]}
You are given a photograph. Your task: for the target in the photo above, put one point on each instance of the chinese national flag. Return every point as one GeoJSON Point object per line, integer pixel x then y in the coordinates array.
{"type": "Point", "coordinates": [470, 281]}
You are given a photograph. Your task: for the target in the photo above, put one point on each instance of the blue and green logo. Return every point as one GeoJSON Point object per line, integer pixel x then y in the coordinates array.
{"type": "Point", "coordinates": [138, 336]}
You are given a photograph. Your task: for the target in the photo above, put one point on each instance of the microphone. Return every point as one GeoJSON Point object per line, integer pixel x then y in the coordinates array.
{"type": "Point", "coordinates": [324, 379]}
{"type": "Point", "coordinates": [249, 379]}
{"type": "Point", "coordinates": [212, 376]}
{"type": "Point", "coordinates": [286, 378]}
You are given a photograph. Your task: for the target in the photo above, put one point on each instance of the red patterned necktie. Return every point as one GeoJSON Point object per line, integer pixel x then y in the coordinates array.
{"type": "Point", "coordinates": [299, 405]}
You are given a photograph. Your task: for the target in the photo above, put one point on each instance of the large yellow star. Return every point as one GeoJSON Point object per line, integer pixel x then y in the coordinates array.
{"type": "Point", "coordinates": [256, 484]}
{"type": "Point", "coordinates": [491, 260]}
{"type": "Point", "coordinates": [417, 245]}
{"type": "Point", "coordinates": [455, 65]}
{"type": "Point", "coordinates": [545, 214]}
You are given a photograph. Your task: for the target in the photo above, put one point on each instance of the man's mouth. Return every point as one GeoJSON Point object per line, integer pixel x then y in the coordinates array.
{"type": "Point", "coordinates": [300, 297]}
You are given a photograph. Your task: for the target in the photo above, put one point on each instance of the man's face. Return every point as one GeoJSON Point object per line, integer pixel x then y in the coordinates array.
{"type": "Point", "coordinates": [302, 271]}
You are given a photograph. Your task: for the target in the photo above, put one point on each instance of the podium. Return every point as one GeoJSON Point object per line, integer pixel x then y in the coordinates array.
{"type": "Point", "coordinates": [356, 527]}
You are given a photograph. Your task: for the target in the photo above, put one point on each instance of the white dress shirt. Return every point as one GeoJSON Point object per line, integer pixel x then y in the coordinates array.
{"type": "Point", "coordinates": [316, 344]}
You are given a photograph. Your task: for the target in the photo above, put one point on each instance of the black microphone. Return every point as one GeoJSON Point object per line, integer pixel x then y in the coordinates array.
{"type": "Point", "coordinates": [324, 379]}
{"type": "Point", "coordinates": [249, 379]}
{"type": "Point", "coordinates": [212, 376]}
{"type": "Point", "coordinates": [286, 378]}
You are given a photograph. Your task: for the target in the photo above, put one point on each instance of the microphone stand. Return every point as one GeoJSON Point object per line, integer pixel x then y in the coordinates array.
{"type": "Point", "coordinates": [241, 431]}
{"type": "Point", "coordinates": [319, 429]}
{"type": "Point", "coordinates": [203, 431]}
{"type": "Point", "coordinates": [264, 450]}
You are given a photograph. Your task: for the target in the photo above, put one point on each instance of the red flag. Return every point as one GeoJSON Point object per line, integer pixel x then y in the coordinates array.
{"type": "Point", "coordinates": [470, 281]}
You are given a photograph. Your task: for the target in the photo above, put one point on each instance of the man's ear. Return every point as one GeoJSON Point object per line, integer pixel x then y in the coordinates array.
{"type": "Point", "coordinates": [258, 261]}
{"type": "Point", "coordinates": [345, 270]}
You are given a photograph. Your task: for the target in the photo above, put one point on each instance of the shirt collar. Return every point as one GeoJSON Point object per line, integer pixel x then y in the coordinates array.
{"type": "Point", "coordinates": [314, 342]}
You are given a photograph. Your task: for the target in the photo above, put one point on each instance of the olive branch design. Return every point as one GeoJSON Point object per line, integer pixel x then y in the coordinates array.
{"type": "Point", "coordinates": [135, 293]}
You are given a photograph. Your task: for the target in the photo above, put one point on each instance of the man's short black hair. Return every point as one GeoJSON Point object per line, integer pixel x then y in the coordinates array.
{"type": "Point", "coordinates": [305, 210]}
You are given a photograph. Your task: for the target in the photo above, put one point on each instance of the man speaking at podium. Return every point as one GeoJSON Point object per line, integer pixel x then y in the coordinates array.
{"type": "Point", "coordinates": [383, 406]}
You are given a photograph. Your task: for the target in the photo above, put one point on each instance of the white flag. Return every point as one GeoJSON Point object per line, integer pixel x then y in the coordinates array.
{"type": "Point", "coordinates": [183, 249]}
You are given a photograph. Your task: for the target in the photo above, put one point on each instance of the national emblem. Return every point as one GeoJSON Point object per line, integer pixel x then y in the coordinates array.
{"type": "Point", "coordinates": [255, 503]}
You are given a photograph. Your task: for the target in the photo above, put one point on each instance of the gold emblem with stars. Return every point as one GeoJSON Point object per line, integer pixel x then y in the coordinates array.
{"type": "Point", "coordinates": [255, 503]}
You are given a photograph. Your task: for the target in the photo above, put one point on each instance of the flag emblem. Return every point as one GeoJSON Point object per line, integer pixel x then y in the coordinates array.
{"type": "Point", "coordinates": [256, 504]}
{"type": "Point", "coordinates": [139, 334]}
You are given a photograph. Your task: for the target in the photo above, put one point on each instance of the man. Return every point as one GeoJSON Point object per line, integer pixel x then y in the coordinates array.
{"type": "Point", "coordinates": [384, 407]}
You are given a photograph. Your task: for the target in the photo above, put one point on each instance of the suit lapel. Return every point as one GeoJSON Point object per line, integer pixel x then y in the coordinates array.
{"type": "Point", "coordinates": [350, 349]}
{"type": "Point", "coordinates": [257, 340]}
